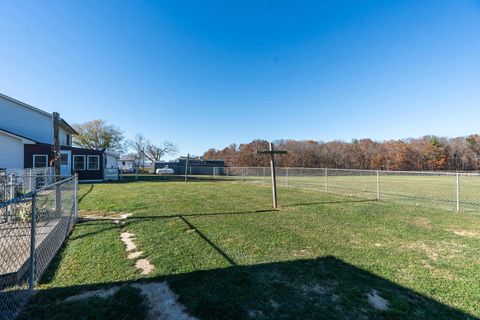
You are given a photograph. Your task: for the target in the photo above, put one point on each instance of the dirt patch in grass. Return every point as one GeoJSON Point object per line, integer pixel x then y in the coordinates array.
{"type": "Point", "coordinates": [422, 222]}
{"type": "Point", "coordinates": [105, 293]}
{"type": "Point", "coordinates": [321, 288]}
{"type": "Point", "coordinates": [436, 250]}
{"type": "Point", "coordinates": [466, 233]}
{"type": "Point", "coordinates": [303, 252]}
{"type": "Point", "coordinates": [144, 265]}
{"type": "Point", "coordinates": [376, 301]}
{"type": "Point", "coordinates": [98, 215]}
{"type": "Point", "coordinates": [134, 255]}
{"type": "Point", "coordinates": [127, 239]}
{"type": "Point", "coordinates": [163, 303]}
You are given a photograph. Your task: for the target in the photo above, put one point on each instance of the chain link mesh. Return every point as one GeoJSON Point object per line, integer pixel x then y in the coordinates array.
{"type": "Point", "coordinates": [442, 190]}
{"type": "Point", "coordinates": [15, 182]}
{"type": "Point", "coordinates": [37, 222]}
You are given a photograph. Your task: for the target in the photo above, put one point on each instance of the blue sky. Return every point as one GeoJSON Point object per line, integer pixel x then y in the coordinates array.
{"type": "Point", "coordinates": [208, 73]}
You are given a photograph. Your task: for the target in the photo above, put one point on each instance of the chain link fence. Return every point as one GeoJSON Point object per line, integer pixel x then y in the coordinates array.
{"type": "Point", "coordinates": [111, 174]}
{"type": "Point", "coordinates": [15, 182]}
{"type": "Point", "coordinates": [33, 227]}
{"type": "Point", "coordinates": [444, 190]}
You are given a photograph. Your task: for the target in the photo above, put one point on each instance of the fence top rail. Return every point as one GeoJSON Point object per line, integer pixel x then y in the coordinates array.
{"type": "Point", "coordinates": [48, 170]}
{"type": "Point", "coordinates": [33, 193]}
{"type": "Point", "coordinates": [16, 199]}
{"type": "Point", "coordinates": [438, 173]}
{"type": "Point", "coordinates": [57, 183]}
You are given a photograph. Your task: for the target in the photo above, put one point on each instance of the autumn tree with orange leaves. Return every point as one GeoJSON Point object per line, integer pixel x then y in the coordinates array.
{"type": "Point", "coordinates": [426, 153]}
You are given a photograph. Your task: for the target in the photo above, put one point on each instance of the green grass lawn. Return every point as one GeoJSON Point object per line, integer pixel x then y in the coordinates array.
{"type": "Point", "coordinates": [228, 255]}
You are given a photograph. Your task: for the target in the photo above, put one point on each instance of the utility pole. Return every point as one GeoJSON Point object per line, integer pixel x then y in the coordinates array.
{"type": "Point", "coordinates": [186, 167]}
{"type": "Point", "coordinates": [56, 145]}
{"type": "Point", "coordinates": [272, 153]}
{"type": "Point", "coordinates": [56, 160]}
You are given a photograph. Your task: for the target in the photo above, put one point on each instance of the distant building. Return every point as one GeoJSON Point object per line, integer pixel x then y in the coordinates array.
{"type": "Point", "coordinates": [128, 163]}
{"type": "Point", "coordinates": [111, 160]}
{"type": "Point", "coordinates": [196, 166]}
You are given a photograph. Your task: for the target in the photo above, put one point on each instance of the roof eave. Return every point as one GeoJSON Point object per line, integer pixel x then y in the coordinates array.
{"type": "Point", "coordinates": [65, 126]}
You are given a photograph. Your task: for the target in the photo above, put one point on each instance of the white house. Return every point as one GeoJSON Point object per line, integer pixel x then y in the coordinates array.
{"type": "Point", "coordinates": [22, 124]}
{"type": "Point", "coordinates": [26, 141]}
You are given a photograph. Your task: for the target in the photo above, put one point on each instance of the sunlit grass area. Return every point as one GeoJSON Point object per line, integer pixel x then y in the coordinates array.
{"type": "Point", "coordinates": [227, 255]}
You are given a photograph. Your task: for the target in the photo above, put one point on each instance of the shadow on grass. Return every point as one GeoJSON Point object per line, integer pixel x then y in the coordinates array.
{"type": "Point", "coordinates": [86, 193]}
{"type": "Point", "coordinates": [322, 288]}
{"type": "Point", "coordinates": [108, 226]}
{"type": "Point", "coordinates": [207, 240]}
{"type": "Point", "coordinates": [209, 214]}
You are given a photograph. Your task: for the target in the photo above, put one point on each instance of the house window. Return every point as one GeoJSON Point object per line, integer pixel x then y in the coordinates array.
{"type": "Point", "coordinates": [78, 162]}
{"type": "Point", "coordinates": [123, 163]}
{"type": "Point", "coordinates": [64, 158]}
{"type": "Point", "coordinates": [93, 162]}
{"type": "Point", "coordinates": [68, 139]}
{"type": "Point", "coordinates": [40, 160]}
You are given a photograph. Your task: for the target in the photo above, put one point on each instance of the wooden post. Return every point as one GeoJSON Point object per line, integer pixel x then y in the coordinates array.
{"type": "Point", "coordinates": [272, 153]}
{"type": "Point", "coordinates": [186, 167]}
{"type": "Point", "coordinates": [274, 177]}
{"type": "Point", "coordinates": [56, 160]}
{"type": "Point", "coordinates": [56, 145]}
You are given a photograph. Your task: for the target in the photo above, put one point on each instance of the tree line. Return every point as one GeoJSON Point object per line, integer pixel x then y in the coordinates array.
{"type": "Point", "coordinates": [421, 154]}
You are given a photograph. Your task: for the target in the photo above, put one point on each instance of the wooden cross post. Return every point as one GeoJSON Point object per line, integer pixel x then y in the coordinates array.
{"type": "Point", "coordinates": [272, 153]}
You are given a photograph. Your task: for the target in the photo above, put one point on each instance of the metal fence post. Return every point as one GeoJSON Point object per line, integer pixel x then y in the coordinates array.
{"type": "Point", "coordinates": [286, 178]}
{"type": "Point", "coordinates": [12, 186]}
{"type": "Point", "coordinates": [75, 194]}
{"type": "Point", "coordinates": [243, 174]}
{"type": "Point", "coordinates": [458, 192]}
{"type": "Point", "coordinates": [326, 183]}
{"type": "Point", "coordinates": [263, 175]}
{"type": "Point", "coordinates": [31, 280]}
{"type": "Point", "coordinates": [378, 185]}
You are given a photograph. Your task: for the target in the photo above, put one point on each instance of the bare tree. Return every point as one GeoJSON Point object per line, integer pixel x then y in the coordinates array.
{"type": "Point", "coordinates": [139, 145]}
{"type": "Point", "coordinates": [155, 152]}
{"type": "Point", "coordinates": [146, 149]}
